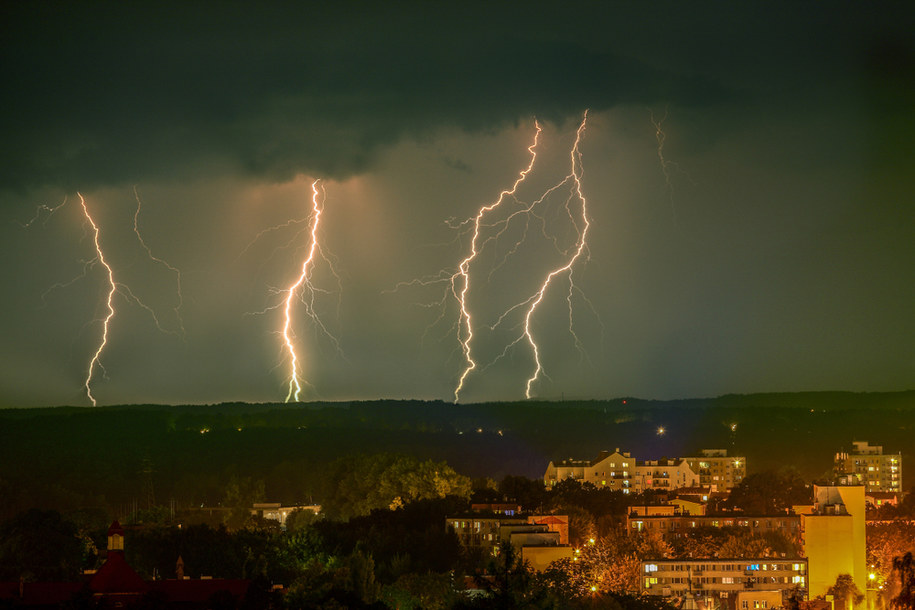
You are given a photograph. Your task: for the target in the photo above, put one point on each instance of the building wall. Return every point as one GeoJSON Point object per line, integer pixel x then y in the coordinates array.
{"type": "Point", "coordinates": [869, 466]}
{"type": "Point", "coordinates": [834, 537]}
{"type": "Point", "coordinates": [540, 557]}
{"type": "Point", "coordinates": [671, 527]}
{"type": "Point", "coordinates": [665, 475]}
{"type": "Point", "coordinates": [707, 577]}
{"type": "Point", "coordinates": [716, 470]}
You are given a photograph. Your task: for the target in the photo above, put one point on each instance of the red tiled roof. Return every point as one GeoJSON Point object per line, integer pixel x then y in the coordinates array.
{"type": "Point", "coordinates": [184, 591]}
{"type": "Point", "coordinates": [116, 576]}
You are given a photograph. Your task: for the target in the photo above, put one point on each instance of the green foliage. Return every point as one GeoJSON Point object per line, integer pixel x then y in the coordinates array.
{"type": "Point", "coordinates": [420, 591]}
{"type": "Point", "coordinates": [241, 493]}
{"type": "Point", "coordinates": [339, 583]}
{"type": "Point", "coordinates": [358, 484]}
{"type": "Point", "coordinates": [41, 546]}
{"type": "Point", "coordinates": [769, 492]}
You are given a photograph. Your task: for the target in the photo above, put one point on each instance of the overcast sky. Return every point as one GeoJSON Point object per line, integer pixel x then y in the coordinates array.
{"type": "Point", "coordinates": [769, 245]}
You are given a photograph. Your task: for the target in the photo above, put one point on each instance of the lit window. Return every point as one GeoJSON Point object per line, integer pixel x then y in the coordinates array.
{"type": "Point", "coordinates": [651, 567]}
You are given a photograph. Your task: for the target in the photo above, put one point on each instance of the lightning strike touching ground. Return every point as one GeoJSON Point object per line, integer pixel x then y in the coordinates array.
{"type": "Point", "coordinates": [154, 258]}
{"type": "Point", "coordinates": [112, 288]}
{"type": "Point", "coordinates": [575, 176]}
{"type": "Point", "coordinates": [302, 283]}
{"type": "Point", "coordinates": [508, 219]}
{"type": "Point", "coordinates": [464, 269]}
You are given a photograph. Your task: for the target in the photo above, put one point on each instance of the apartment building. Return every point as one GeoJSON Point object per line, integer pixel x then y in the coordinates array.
{"type": "Point", "coordinates": [664, 475]}
{"type": "Point", "coordinates": [613, 470]}
{"type": "Point", "coordinates": [867, 465]}
{"type": "Point", "coordinates": [717, 470]}
{"type": "Point", "coordinates": [541, 539]}
{"type": "Point", "coordinates": [672, 526]}
{"type": "Point", "coordinates": [736, 584]}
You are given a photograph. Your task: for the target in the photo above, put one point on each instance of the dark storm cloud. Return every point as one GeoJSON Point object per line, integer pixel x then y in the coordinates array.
{"type": "Point", "coordinates": [102, 93]}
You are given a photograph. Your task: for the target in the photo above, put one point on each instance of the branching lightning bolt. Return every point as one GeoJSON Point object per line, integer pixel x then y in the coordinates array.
{"type": "Point", "coordinates": [298, 289]}
{"type": "Point", "coordinates": [154, 258]}
{"type": "Point", "coordinates": [463, 271]}
{"type": "Point", "coordinates": [487, 227]}
{"type": "Point", "coordinates": [567, 268]}
{"type": "Point", "coordinates": [112, 288]}
{"type": "Point", "coordinates": [48, 210]}
{"type": "Point", "coordinates": [580, 250]}
{"type": "Point", "coordinates": [666, 164]}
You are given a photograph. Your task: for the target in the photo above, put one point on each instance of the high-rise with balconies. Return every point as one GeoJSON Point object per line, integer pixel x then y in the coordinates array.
{"type": "Point", "coordinates": [867, 465]}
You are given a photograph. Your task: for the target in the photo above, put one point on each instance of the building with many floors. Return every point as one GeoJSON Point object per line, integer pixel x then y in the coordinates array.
{"type": "Point", "coordinates": [734, 584]}
{"type": "Point", "coordinates": [867, 465]}
{"type": "Point", "coordinates": [611, 470]}
{"type": "Point", "coordinates": [621, 472]}
{"type": "Point", "coordinates": [677, 524]}
{"type": "Point", "coordinates": [718, 471]}
{"type": "Point", "coordinates": [833, 536]}
{"type": "Point", "coordinates": [541, 539]}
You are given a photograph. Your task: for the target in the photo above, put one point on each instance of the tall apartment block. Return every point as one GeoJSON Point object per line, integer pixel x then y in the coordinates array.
{"type": "Point", "coordinates": [867, 465]}
{"type": "Point", "coordinates": [717, 470]}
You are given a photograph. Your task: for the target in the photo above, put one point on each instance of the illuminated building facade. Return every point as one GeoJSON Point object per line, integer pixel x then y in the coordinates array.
{"type": "Point", "coordinates": [717, 470]}
{"type": "Point", "coordinates": [867, 465]}
{"type": "Point", "coordinates": [541, 539]}
{"type": "Point", "coordinates": [712, 469]}
{"type": "Point", "coordinates": [678, 524]}
{"type": "Point", "coordinates": [833, 536]}
{"type": "Point", "coordinates": [609, 470]}
{"type": "Point", "coordinates": [736, 584]}
{"type": "Point", "coordinates": [664, 475]}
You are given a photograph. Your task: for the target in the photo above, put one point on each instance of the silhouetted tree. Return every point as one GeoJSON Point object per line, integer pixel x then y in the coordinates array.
{"type": "Point", "coordinates": [769, 492]}
{"type": "Point", "coordinates": [40, 545]}
{"type": "Point", "coordinates": [846, 590]}
{"type": "Point", "coordinates": [905, 567]}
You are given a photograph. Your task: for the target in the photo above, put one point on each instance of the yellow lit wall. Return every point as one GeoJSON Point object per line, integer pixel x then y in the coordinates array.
{"type": "Point", "coordinates": [834, 543]}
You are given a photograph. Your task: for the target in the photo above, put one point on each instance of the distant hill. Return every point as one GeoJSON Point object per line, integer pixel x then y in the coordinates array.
{"type": "Point", "coordinates": [78, 456]}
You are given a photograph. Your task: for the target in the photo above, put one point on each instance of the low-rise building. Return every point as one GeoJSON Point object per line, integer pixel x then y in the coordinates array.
{"type": "Point", "coordinates": [541, 539]}
{"type": "Point", "coordinates": [275, 511]}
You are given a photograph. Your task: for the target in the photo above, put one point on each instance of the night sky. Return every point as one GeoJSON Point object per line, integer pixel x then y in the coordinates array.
{"type": "Point", "coordinates": [770, 246]}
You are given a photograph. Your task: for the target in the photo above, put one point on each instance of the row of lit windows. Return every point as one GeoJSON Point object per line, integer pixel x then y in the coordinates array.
{"type": "Point", "coordinates": [726, 567]}
{"type": "Point", "coordinates": [677, 524]}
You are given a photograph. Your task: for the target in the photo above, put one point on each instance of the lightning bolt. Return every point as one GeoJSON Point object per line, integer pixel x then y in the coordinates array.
{"type": "Point", "coordinates": [298, 288]}
{"type": "Point", "coordinates": [154, 258]}
{"type": "Point", "coordinates": [463, 273]}
{"type": "Point", "coordinates": [47, 210]}
{"type": "Point", "coordinates": [113, 285]}
{"type": "Point", "coordinates": [567, 268]}
{"type": "Point", "coordinates": [112, 288]}
{"type": "Point", "coordinates": [666, 164]}
{"type": "Point", "coordinates": [490, 225]}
